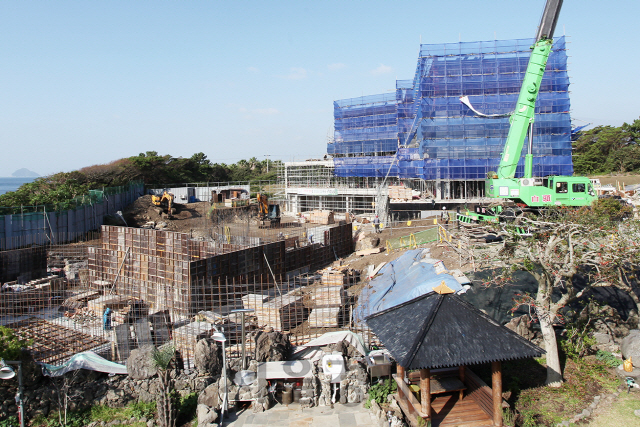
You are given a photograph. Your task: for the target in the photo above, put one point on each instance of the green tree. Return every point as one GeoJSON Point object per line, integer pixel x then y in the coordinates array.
{"type": "Point", "coordinates": [60, 189]}
{"type": "Point", "coordinates": [605, 149]}
{"type": "Point", "coordinates": [152, 166]}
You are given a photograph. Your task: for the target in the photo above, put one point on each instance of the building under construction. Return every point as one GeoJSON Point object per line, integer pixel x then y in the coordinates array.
{"type": "Point", "coordinates": [425, 139]}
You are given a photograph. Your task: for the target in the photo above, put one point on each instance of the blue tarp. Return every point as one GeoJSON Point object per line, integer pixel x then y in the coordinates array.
{"type": "Point", "coordinates": [409, 276]}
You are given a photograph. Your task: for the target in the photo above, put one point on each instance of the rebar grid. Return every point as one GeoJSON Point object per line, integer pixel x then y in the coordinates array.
{"type": "Point", "coordinates": [134, 286]}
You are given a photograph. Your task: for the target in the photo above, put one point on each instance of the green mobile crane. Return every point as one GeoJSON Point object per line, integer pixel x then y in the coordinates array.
{"type": "Point", "coordinates": [529, 192]}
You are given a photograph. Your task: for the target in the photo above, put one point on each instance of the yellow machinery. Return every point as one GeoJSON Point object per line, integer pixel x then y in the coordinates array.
{"type": "Point", "coordinates": [267, 212]}
{"type": "Point", "coordinates": [166, 197]}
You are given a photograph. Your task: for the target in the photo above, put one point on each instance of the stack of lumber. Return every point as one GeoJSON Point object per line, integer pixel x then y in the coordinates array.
{"type": "Point", "coordinates": [399, 192]}
{"type": "Point", "coordinates": [282, 313]}
{"type": "Point", "coordinates": [124, 309]}
{"type": "Point", "coordinates": [79, 300]}
{"type": "Point", "coordinates": [325, 302]}
{"type": "Point", "coordinates": [339, 275]}
{"type": "Point", "coordinates": [333, 277]}
{"type": "Point", "coordinates": [326, 299]}
{"type": "Point", "coordinates": [324, 317]}
{"type": "Point", "coordinates": [321, 217]}
{"type": "Point", "coordinates": [114, 302]}
{"type": "Point", "coordinates": [325, 296]}
{"type": "Point", "coordinates": [186, 337]}
{"type": "Point", "coordinates": [253, 301]}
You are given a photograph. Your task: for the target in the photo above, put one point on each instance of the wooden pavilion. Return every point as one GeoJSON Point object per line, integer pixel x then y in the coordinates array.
{"type": "Point", "coordinates": [438, 335]}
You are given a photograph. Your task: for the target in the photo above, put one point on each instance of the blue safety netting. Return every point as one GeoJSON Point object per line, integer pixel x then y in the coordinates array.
{"type": "Point", "coordinates": [445, 168]}
{"type": "Point", "coordinates": [426, 113]}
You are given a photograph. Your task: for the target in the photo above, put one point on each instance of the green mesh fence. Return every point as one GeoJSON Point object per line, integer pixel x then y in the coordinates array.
{"type": "Point", "coordinates": [93, 197]}
{"type": "Point", "coordinates": [418, 238]}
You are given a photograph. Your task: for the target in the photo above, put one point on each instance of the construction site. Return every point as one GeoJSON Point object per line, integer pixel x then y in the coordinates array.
{"type": "Point", "coordinates": [371, 231]}
{"type": "Point", "coordinates": [180, 273]}
{"type": "Point", "coordinates": [162, 285]}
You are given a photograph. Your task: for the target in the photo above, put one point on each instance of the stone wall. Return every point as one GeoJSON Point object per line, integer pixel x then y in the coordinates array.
{"type": "Point", "coordinates": [42, 394]}
{"type": "Point", "coordinates": [84, 389]}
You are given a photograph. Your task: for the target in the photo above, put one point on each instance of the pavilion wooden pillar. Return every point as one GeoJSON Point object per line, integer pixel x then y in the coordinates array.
{"type": "Point", "coordinates": [400, 377]}
{"type": "Point", "coordinates": [496, 387]}
{"type": "Point", "coordinates": [425, 392]}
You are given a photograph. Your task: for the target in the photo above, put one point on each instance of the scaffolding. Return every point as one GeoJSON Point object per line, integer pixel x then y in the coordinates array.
{"type": "Point", "coordinates": [313, 184]}
{"type": "Point", "coordinates": [423, 131]}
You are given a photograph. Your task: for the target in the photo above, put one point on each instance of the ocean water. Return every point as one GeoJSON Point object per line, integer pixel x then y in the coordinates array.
{"type": "Point", "coordinates": [11, 183]}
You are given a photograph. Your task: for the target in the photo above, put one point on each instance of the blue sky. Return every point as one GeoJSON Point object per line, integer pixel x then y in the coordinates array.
{"type": "Point", "coordinates": [88, 82]}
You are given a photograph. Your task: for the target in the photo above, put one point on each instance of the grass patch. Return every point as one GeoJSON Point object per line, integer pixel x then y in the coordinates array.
{"type": "Point", "coordinates": [100, 413]}
{"type": "Point", "coordinates": [584, 379]}
{"type": "Point", "coordinates": [621, 413]}
{"type": "Point", "coordinates": [538, 405]}
{"type": "Point", "coordinates": [187, 406]}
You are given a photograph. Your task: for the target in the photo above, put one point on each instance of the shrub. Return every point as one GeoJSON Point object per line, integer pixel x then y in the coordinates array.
{"type": "Point", "coordinates": [608, 358]}
{"type": "Point", "coordinates": [380, 391]}
{"type": "Point", "coordinates": [10, 344]}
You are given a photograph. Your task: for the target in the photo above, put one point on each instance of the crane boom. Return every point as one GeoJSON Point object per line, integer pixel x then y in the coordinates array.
{"type": "Point", "coordinates": [549, 20]}
{"type": "Point", "coordinates": [523, 116]}
{"type": "Point", "coordinates": [528, 192]}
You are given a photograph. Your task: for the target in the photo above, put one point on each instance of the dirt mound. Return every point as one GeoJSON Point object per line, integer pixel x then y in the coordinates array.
{"type": "Point", "coordinates": [140, 212]}
{"type": "Point", "coordinates": [184, 220]}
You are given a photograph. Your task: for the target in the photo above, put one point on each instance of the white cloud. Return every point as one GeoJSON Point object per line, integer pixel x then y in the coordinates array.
{"type": "Point", "coordinates": [336, 66]}
{"type": "Point", "coordinates": [297, 73]}
{"type": "Point", "coordinates": [382, 69]}
{"type": "Point", "coordinates": [253, 70]}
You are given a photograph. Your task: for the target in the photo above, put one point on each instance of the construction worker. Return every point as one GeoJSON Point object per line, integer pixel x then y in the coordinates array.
{"type": "Point", "coordinates": [445, 216]}
{"type": "Point", "coordinates": [106, 319]}
{"type": "Point", "coordinates": [376, 224]}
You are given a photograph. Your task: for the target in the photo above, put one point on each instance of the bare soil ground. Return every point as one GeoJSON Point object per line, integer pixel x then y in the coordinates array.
{"type": "Point", "coordinates": [438, 250]}
{"type": "Point", "coordinates": [199, 220]}
{"type": "Point", "coordinates": [626, 179]}
{"type": "Point", "coordinates": [186, 218]}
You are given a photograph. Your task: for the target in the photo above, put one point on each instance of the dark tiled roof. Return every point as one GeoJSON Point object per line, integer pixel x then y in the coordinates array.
{"type": "Point", "coordinates": [438, 331]}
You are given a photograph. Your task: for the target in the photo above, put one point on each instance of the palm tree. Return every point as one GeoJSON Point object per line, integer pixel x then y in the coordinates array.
{"type": "Point", "coordinates": [166, 411]}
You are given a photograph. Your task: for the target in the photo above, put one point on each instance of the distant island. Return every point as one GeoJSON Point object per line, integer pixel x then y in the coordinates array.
{"type": "Point", "coordinates": [24, 173]}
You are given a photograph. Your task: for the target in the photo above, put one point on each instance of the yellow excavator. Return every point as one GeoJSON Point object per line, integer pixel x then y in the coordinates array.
{"type": "Point", "coordinates": [268, 214]}
{"type": "Point", "coordinates": [165, 198]}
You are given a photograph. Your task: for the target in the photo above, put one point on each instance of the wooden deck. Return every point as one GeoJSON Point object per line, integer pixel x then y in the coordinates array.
{"type": "Point", "coordinates": [449, 411]}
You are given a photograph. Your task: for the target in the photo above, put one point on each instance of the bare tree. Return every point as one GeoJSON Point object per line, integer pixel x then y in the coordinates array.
{"type": "Point", "coordinates": [66, 393]}
{"type": "Point", "coordinates": [563, 244]}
